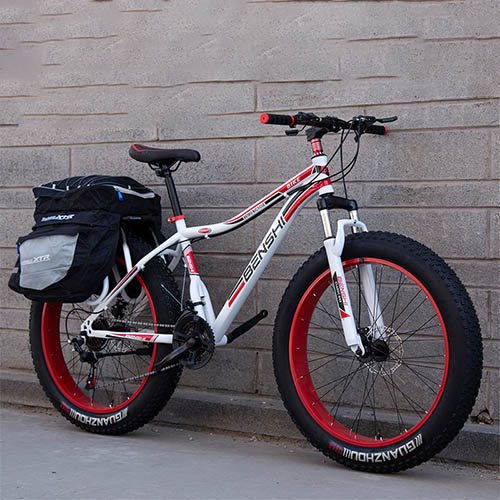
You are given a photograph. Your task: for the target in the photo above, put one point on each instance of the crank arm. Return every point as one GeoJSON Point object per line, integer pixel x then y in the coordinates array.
{"type": "Point", "coordinates": [176, 353]}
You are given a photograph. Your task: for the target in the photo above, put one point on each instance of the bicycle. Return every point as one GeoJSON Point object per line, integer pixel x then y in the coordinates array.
{"type": "Point", "coordinates": [376, 344]}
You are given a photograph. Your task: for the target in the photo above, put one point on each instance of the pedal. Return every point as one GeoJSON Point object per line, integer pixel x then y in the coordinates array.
{"type": "Point", "coordinates": [244, 327]}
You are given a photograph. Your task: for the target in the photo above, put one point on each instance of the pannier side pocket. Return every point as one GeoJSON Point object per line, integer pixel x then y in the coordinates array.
{"type": "Point", "coordinates": [66, 260]}
{"type": "Point", "coordinates": [46, 260]}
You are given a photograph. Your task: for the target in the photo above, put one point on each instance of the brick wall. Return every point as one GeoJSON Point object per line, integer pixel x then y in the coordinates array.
{"type": "Point", "coordinates": [80, 80]}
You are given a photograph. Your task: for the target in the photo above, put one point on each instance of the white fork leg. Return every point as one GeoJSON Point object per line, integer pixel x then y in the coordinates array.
{"type": "Point", "coordinates": [334, 248]}
{"type": "Point", "coordinates": [369, 291]}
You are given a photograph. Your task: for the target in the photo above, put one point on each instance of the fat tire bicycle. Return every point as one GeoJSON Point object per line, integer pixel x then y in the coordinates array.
{"type": "Point", "coordinates": [376, 345]}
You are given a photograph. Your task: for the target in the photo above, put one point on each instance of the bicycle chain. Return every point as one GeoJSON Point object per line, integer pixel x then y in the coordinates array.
{"type": "Point", "coordinates": [143, 323]}
{"type": "Point", "coordinates": [137, 377]}
{"type": "Point", "coordinates": [143, 375]}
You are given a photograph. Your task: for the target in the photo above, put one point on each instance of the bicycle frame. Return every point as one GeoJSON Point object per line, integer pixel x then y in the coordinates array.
{"type": "Point", "coordinates": [297, 191]}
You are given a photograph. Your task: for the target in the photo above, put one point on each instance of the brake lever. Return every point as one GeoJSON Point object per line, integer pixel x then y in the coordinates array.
{"type": "Point", "coordinates": [387, 120]}
{"type": "Point", "coordinates": [314, 119]}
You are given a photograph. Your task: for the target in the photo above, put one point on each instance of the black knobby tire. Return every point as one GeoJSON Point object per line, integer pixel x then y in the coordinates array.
{"type": "Point", "coordinates": [395, 411]}
{"type": "Point", "coordinates": [113, 406]}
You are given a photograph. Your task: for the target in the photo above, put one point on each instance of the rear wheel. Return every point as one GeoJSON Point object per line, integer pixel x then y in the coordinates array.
{"type": "Point", "coordinates": [409, 396]}
{"type": "Point", "coordinates": [103, 385]}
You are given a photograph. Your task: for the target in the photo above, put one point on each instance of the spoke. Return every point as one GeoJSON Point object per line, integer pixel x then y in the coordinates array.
{"type": "Point", "coordinates": [424, 357]}
{"type": "Point", "coordinates": [72, 362]}
{"type": "Point", "coordinates": [123, 366]}
{"type": "Point", "coordinates": [136, 365]}
{"type": "Point", "coordinates": [360, 412]}
{"type": "Point", "coordinates": [356, 420]}
{"type": "Point", "coordinates": [79, 378]}
{"type": "Point", "coordinates": [411, 401]}
{"type": "Point", "coordinates": [395, 294]}
{"type": "Point", "coordinates": [411, 332]}
{"type": "Point", "coordinates": [374, 405]}
{"type": "Point", "coordinates": [418, 329]}
{"type": "Point", "coordinates": [109, 395]}
{"type": "Point", "coordinates": [321, 366]}
{"type": "Point", "coordinates": [402, 277]}
{"type": "Point", "coordinates": [322, 308]}
{"type": "Point", "coordinates": [411, 314]}
{"type": "Point", "coordinates": [426, 339]}
{"type": "Point", "coordinates": [347, 382]}
{"type": "Point", "coordinates": [431, 367]}
{"type": "Point", "coordinates": [328, 355]}
{"type": "Point", "coordinates": [342, 377]}
{"type": "Point", "coordinates": [323, 327]}
{"type": "Point", "coordinates": [347, 379]}
{"type": "Point", "coordinates": [327, 341]}
{"type": "Point", "coordinates": [119, 370]}
{"type": "Point", "coordinates": [402, 425]}
{"type": "Point", "coordinates": [423, 379]}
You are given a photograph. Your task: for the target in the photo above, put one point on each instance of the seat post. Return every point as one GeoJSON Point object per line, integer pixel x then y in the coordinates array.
{"type": "Point", "coordinates": [172, 192]}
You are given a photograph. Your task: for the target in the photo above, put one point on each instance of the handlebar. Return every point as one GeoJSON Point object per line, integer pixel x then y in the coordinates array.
{"type": "Point", "coordinates": [269, 119]}
{"type": "Point", "coordinates": [361, 124]}
{"type": "Point", "coordinates": [377, 130]}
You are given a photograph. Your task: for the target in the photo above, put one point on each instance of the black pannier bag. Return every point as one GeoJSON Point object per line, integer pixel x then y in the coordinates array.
{"type": "Point", "coordinates": [74, 241]}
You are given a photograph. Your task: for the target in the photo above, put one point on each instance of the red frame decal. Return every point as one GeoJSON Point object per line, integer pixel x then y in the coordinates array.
{"type": "Point", "coordinates": [190, 261]}
{"type": "Point", "coordinates": [238, 290]}
{"type": "Point", "coordinates": [275, 195]}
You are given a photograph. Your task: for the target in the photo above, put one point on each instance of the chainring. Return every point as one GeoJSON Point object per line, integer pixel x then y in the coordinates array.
{"type": "Point", "coordinates": [189, 326]}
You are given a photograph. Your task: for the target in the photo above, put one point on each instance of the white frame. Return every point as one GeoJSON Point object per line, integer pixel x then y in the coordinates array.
{"type": "Point", "coordinates": [298, 190]}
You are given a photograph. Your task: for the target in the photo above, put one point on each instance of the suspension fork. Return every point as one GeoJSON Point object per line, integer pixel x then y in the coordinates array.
{"type": "Point", "coordinates": [334, 247]}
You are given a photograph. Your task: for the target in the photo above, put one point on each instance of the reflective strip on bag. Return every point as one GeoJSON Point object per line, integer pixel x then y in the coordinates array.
{"type": "Point", "coordinates": [46, 260]}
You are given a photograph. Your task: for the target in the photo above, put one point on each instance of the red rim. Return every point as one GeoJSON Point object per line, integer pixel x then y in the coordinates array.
{"type": "Point", "coordinates": [56, 364]}
{"type": "Point", "coordinates": [299, 362]}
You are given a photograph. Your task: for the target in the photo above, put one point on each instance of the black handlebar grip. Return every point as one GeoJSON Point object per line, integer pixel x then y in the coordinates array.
{"type": "Point", "coordinates": [270, 119]}
{"type": "Point", "coordinates": [377, 130]}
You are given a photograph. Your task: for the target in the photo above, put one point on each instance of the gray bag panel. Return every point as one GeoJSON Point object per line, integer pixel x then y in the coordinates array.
{"type": "Point", "coordinates": [46, 260]}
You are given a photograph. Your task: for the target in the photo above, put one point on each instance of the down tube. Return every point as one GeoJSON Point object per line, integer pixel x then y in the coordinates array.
{"type": "Point", "coordinates": [252, 273]}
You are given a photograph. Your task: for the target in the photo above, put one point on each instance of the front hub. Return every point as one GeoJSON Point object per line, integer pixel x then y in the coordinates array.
{"type": "Point", "coordinates": [383, 355]}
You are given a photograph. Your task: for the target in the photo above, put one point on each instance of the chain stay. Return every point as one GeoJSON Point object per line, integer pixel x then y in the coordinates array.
{"type": "Point", "coordinates": [143, 375]}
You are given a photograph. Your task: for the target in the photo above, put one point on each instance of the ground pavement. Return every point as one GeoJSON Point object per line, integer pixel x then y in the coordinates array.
{"type": "Point", "coordinates": [44, 457]}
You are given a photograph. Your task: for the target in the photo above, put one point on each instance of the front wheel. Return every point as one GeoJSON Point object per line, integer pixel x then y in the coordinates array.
{"type": "Point", "coordinates": [409, 396]}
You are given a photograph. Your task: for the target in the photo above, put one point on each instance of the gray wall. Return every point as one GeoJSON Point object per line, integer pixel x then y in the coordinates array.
{"type": "Point", "coordinates": [81, 80]}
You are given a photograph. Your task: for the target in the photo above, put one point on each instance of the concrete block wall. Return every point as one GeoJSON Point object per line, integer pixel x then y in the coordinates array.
{"type": "Point", "coordinates": [79, 81]}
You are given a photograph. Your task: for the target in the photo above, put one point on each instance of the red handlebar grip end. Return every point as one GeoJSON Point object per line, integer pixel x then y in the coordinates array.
{"type": "Point", "coordinates": [264, 118]}
{"type": "Point", "coordinates": [386, 129]}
